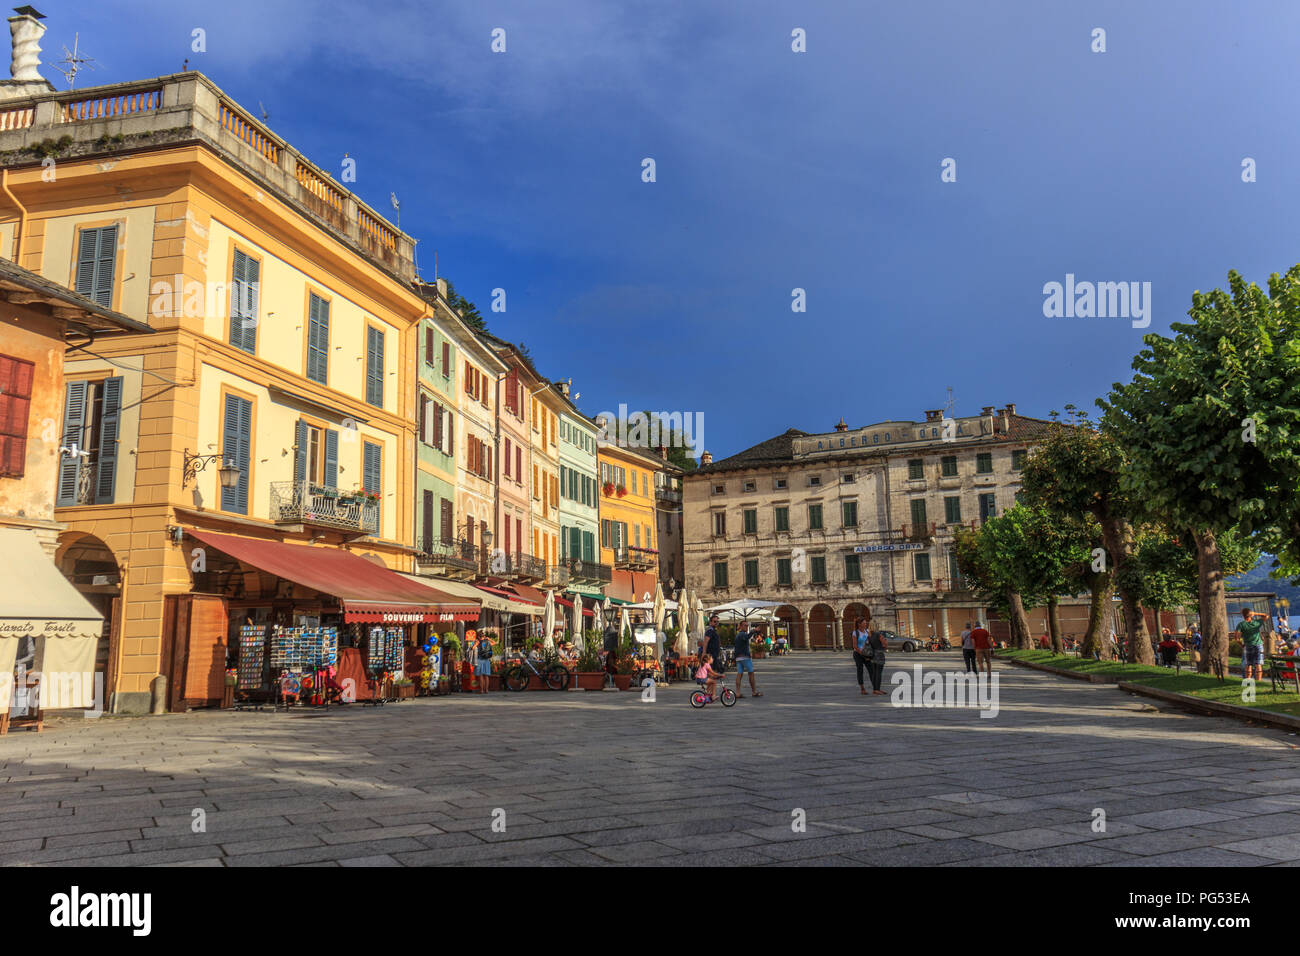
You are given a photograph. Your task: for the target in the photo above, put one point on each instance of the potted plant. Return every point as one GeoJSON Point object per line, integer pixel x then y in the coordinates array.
{"type": "Point", "coordinates": [627, 666]}
{"type": "Point", "coordinates": [589, 675]}
{"type": "Point", "coordinates": [444, 685]}
{"type": "Point", "coordinates": [608, 488]}
{"type": "Point", "coordinates": [403, 688]}
{"type": "Point", "coordinates": [622, 491]}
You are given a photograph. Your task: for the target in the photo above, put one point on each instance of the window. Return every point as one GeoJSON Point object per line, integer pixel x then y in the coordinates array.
{"type": "Point", "coordinates": [921, 565]}
{"type": "Point", "coordinates": [751, 572]}
{"type": "Point", "coordinates": [783, 571]}
{"type": "Point", "coordinates": [316, 455]}
{"type": "Point", "coordinates": [852, 569]}
{"type": "Point", "coordinates": [988, 506]}
{"type": "Point", "coordinates": [719, 524]}
{"type": "Point", "coordinates": [850, 509]}
{"type": "Point", "coordinates": [751, 520]}
{"type": "Point", "coordinates": [505, 464]}
{"type": "Point", "coordinates": [243, 302]}
{"type": "Point", "coordinates": [779, 484]}
{"type": "Point", "coordinates": [446, 360]}
{"type": "Point", "coordinates": [236, 441]}
{"type": "Point", "coordinates": [371, 469]}
{"type": "Point", "coordinates": [645, 485]}
{"type": "Point", "coordinates": [91, 414]}
{"type": "Point", "coordinates": [814, 517]}
{"type": "Point", "coordinates": [750, 485]}
{"type": "Point", "coordinates": [819, 569]}
{"type": "Point", "coordinates": [952, 510]}
{"type": "Point", "coordinates": [782, 516]}
{"type": "Point", "coordinates": [374, 366]}
{"type": "Point", "coordinates": [448, 520]}
{"type": "Point", "coordinates": [719, 489]}
{"type": "Point", "coordinates": [815, 480]}
{"type": "Point", "coordinates": [1018, 459]}
{"type": "Point", "coordinates": [915, 469]}
{"type": "Point", "coordinates": [954, 571]}
{"type": "Point", "coordinates": [846, 479]}
{"type": "Point", "coordinates": [318, 339]}
{"type": "Point", "coordinates": [96, 257]}
{"type": "Point", "coordinates": [984, 463]}
{"type": "Point", "coordinates": [920, 523]}
{"type": "Point", "coordinates": [16, 377]}
{"type": "Point", "coordinates": [719, 574]}
{"type": "Point", "coordinates": [949, 463]}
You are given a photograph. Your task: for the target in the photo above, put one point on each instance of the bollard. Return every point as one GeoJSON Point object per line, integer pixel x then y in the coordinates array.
{"type": "Point", "coordinates": [158, 687]}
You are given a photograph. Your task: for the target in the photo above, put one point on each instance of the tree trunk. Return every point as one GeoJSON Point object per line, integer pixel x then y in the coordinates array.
{"type": "Point", "coordinates": [1097, 639]}
{"type": "Point", "coordinates": [1019, 623]}
{"type": "Point", "coordinates": [1054, 623]}
{"type": "Point", "coordinates": [1214, 611]}
{"type": "Point", "coordinates": [1117, 534]}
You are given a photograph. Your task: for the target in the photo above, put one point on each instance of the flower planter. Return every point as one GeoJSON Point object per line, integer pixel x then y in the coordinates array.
{"type": "Point", "coordinates": [404, 691]}
{"type": "Point", "coordinates": [590, 680]}
{"type": "Point", "coordinates": [623, 681]}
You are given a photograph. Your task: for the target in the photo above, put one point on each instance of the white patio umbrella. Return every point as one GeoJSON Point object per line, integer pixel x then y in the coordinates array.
{"type": "Point", "coordinates": [548, 621]}
{"type": "Point", "coordinates": [697, 610]}
{"type": "Point", "coordinates": [657, 613]}
{"type": "Point", "coordinates": [597, 616]}
{"type": "Point", "coordinates": [745, 609]}
{"type": "Point", "coordinates": [683, 622]}
{"type": "Point", "coordinates": [578, 641]}
{"type": "Point", "coordinates": [623, 623]}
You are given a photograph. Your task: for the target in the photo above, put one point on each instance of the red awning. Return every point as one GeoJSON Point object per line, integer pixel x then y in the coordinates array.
{"type": "Point", "coordinates": [511, 595]}
{"type": "Point", "coordinates": [564, 602]}
{"type": "Point", "coordinates": [529, 593]}
{"type": "Point", "coordinates": [370, 594]}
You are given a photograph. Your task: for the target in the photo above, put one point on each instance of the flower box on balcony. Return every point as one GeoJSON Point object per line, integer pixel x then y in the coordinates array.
{"type": "Point", "coordinates": [608, 488]}
{"type": "Point", "coordinates": [622, 491]}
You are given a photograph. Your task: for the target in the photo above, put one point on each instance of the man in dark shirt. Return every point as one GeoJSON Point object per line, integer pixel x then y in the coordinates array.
{"type": "Point", "coordinates": [744, 660]}
{"type": "Point", "coordinates": [713, 643]}
{"type": "Point", "coordinates": [611, 654]}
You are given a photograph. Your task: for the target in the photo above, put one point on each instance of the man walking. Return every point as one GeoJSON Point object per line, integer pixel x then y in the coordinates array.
{"type": "Point", "coordinates": [982, 641]}
{"type": "Point", "coordinates": [713, 643]}
{"type": "Point", "coordinates": [1252, 644]}
{"type": "Point", "coordinates": [744, 659]}
{"type": "Point", "coordinates": [611, 653]}
{"type": "Point", "coordinates": [968, 649]}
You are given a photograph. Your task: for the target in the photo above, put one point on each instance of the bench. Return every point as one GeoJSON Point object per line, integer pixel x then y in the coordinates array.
{"type": "Point", "coordinates": [1283, 670]}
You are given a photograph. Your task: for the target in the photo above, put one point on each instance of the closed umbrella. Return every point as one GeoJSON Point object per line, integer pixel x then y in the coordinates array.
{"type": "Point", "coordinates": [657, 612]}
{"type": "Point", "coordinates": [548, 620]}
{"type": "Point", "coordinates": [578, 642]}
{"type": "Point", "coordinates": [597, 617]}
{"type": "Point", "coordinates": [683, 622]}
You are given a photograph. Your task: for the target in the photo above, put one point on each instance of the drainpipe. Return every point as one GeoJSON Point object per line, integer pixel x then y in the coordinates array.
{"type": "Point", "coordinates": [22, 215]}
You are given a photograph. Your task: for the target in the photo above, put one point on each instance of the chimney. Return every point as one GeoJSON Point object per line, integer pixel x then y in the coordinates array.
{"type": "Point", "coordinates": [564, 388]}
{"type": "Point", "coordinates": [26, 29]}
{"type": "Point", "coordinates": [987, 411]}
{"type": "Point", "coordinates": [1011, 408]}
{"type": "Point", "coordinates": [706, 459]}
{"type": "Point", "coordinates": [1006, 422]}
{"type": "Point", "coordinates": [933, 414]}
{"type": "Point", "coordinates": [663, 452]}
{"type": "Point", "coordinates": [841, 427]}
{"type": "Point", "coordinates": [442, 286]}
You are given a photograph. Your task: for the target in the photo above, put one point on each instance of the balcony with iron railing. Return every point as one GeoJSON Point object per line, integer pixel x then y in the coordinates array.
{"type": "Point", "coordinates": [307, 503]}
{"type": "Point", "coordinates": [587, 572]}
{"type": "Point", "coordinates": [189, 108]}
{"type": "Point", "coordinates": [635, 559]}
{"type": "Point", "coordinates": [519, 566]}
{"type": "Point", "coordinates": [454, 558]}
{"type": "Point", "coordinates": [557, 576]}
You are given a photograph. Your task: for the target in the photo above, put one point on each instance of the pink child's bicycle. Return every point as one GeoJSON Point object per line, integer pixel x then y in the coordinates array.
{"type": "Point", "coordinates": [701, 697]}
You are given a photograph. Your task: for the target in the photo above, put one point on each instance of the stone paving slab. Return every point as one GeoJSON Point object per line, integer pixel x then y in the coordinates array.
{"type": "Point", "coordinates": [605, 780]}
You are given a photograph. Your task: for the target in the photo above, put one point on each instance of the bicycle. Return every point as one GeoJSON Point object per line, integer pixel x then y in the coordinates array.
{"type": "Point", "coordinates": [555, 676]}
{"type": "Point", "coordinates": [700, 698]}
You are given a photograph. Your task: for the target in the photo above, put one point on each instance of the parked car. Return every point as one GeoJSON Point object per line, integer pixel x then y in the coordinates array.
{"type": "Point", "coordinates": [905, 643]}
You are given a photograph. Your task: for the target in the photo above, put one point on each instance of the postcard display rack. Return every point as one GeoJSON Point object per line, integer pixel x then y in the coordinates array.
{"type": "Point", "coordinates": [387, 655]}
{"type": "Point", "coordinates": [298, 651]}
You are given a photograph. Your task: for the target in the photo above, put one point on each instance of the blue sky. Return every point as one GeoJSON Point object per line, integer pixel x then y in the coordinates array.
{"type": "Point", "coordinates": [777, 170]}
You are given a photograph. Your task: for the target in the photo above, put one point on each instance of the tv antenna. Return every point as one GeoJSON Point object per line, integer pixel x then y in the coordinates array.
{"type": "Point", "coordinates": [75, 63]}
{"type": "Point", "coordinates": [952, 403]}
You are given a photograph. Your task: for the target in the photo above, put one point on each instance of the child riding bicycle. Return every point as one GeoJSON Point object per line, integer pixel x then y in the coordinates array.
{"type": "Point", "coordinates": [706, 675]}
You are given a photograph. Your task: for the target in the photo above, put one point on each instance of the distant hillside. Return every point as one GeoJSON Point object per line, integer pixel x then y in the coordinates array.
{"type": "Point", "coordinates": [1257, 579]}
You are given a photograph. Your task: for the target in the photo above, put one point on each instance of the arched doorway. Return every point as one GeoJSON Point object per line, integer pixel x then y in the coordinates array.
{"type": "Point", "coordinates": [851, 613]}
{"type": "Point", "coordinates": [821, 627]}
{"type": "Point", "coordinates": [92, 568]}
{"type": "Point", "coordinates": [789, 623]}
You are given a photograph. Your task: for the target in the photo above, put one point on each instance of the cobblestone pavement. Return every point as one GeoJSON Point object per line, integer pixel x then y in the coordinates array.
{"type": "Point", "coordinates": [605, 778]}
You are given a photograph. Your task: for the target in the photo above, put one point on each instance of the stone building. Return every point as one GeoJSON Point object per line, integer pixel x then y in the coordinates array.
{"type": "Point", "coordinates": [857, 522]}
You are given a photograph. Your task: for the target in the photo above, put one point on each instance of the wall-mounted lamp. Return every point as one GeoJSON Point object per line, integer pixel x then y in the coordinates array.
{"type": "Point", "coordinates": [193, 464]}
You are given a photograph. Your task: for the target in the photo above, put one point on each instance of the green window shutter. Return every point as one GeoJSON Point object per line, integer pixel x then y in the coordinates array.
{"type": "Point", "coordinates": [318, 339]}
{"type": "Point", "coordinates": [331, 476]}
{"type": "Point", "coordinates": [244, 302]}
{"type": "Point", "coordinates": [952, 510]}
{"type": "Point", "coordinates": [919, 522]}
{"type": "Point", "coordinates": [915, 469]}
{"type": "Point", "coordinates": [375, 367]}
{"type": "Point", "coordinates": [588, 546]}
{"type": "Point", "coordinates": [236, 440]}
{"type": "Point", "coordinates": [300, 455]}
{"type": "Point", "coordinates": [110, 419]}
{"type": "Point", "coordinates": [96, 259]}
{"type": "Point", "coordinates": [74, 420]}
{"type": "Point", "coordinates": [922, 566]}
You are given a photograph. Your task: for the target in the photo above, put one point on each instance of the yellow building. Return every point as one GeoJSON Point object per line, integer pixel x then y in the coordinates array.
{"type": "Point", "coordinates": [627, 519]}
{"type": "Point", "coordinates": [284, 347]}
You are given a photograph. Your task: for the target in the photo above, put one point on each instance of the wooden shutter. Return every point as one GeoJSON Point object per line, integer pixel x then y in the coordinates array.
{"type": "Point", "coordinates": [426, 532]}
{"type": "Point", "coordinates": [436, 409]}
{"type": "Point", "coordinates": [110, 418]}
{"type": "Point", "coordinates": [428, 345]}
{"type": "Point", "coordinates": [519, 462]}
{"type": "Point", "coordinates": [487, 472]}
{"type": "Point", "coordinates": [331, 476]}
{"type": "Point", "coordinates": [448, 522]}
{"type": "Point", "coordinates": [235, 444]}
{"type": "Point", "coordinates": [96, 259]}
{"type": "Point", "coordinates": [74, 420]}
{"type": "Point", "coordinates": [423, 420]}
{"type": "Point", "coordinates": [375, 366]}
{"type": "Point", "coordinates": [446, 360]}
{"type": "Point", "coordinates": [318, 339]}
{"type": "Point", "coordinates": [371, 478]}
{"type": "Point", "coordinates": [449, 446]}
{"type": "Point", "coordinates": [16, 377]}
{"type": "Point", "coordinates": [300, 455]}
{"type": "Point", "coordinates": [507, 530]}
{"type": "Point", "coordinates": [469, 388]}
{"type": "Point", "coordinates": [244, 302]}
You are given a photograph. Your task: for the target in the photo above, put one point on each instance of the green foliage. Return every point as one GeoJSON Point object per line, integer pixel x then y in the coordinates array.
{"type": "Point", "coordinates": [471, 315]}
{"type": "Point", "coordinates": [1162, 572]}
{"type": "Point", "coordinates": [1187, 418]}
{"type": "Point", "coordinates": [1028, 551]}
{"type": "Point", "coordinates": [589, 656]}
{"type": "Point", "coordinates": [1076, 470]}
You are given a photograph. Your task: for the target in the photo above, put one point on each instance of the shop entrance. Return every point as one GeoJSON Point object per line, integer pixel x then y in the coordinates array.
{"type": "Point", "coordinates": [92, 568]}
